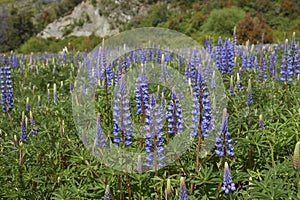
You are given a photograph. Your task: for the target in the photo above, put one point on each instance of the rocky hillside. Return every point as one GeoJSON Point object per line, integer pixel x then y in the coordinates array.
{"type": "Point", "coordinates": [22, 19]}
{"type": "Point", "coordinates": [101, 18]}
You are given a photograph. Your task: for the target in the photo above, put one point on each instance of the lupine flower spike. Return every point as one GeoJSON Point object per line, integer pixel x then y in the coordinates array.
{"type": "Point", "coordinates": [296, 158]}
{"type": "Point", "coordinates": [228, 185]}
{"type": "Point", "coordinates": [168, 189]}
{"type": "Point", "coordinates": [261, 122]}
{"type": "Point", "coordinates": [6, 89]}
{"type": "Point", "coordinates": [223, 143]}
{"type": "Point", "coordinates": [154, 134]}
{"type": "Point", "coordinates": [296, 161]}
{"type": "Point", "coordinates": [122, 116]}
{"type": "Point", "coordinates": [55, 98]}
{"type": "Point", "coordinates": [106, 193]}
{"type": "Point", "coordinates": [286, 67]}
{"type": "Point", "coordinates": [100, 138]}
{"type": "Point", "coordinates": [35, 130]}
{"type": "Point", "coordinates": [249, 97]}
{"type": "Point", "coordinates": [182, 190]}
{"type": "Point", "coordinates": [23, 137]}
{"type": "Point", "coordinates": [232, 93]}
{"type": "Point", "coordinates": [39, 101]}
{"type": "Point", "coordinates": [27, 104]}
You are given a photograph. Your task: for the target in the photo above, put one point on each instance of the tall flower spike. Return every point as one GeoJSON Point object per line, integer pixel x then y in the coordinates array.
{"type": "Point", "coordinates": [168, 189]}
{"type": "Point", "coordinates": [6, 88]}
{"type": "Point", "coordinates": [223, 143]}
{"type": "Point", "coordinates": [122, 115]}
{"type": "Point", "coordinates": [228, 185]}
{"type": "Point", "coordinates": [39, 100]}
{"type": "Point", "coordinates": [174, 114]}
{"type": "Point", "coordinates": [154, 134]}
{"type": "Point", "coordinates": [55, 98]}
{"type": "Point", "coordinates": [286, 67]}
{"type": "Point", "coordinates": [27, 104]}
{"type": "Point", "coordinates": [141, 93]}
{"type": "Point", "coordinates": [249, 96]}
{"type": "Point", "coordinates": [296, 157]}
{"type": "Point", "coordinates": [182, 190]}
{"type": "Point", "coordinates": [165, 73]}
{"type": "Point", "coordinates": [201, 108]}
{"type": "Point", "coordinates": [100, 138]}
{"type": "Point", "coordinates": [35, 130]}
{"type": "Point", "coordinates": [106, 193]}
{"type": "Point", "coordinates": [23, 136]}
{"type": "Point", "coordinates": [218, 54]}
{"type": "Point", "coordinates": [232, 93]}
{"type": "Point", "coordinates": [261, 122]}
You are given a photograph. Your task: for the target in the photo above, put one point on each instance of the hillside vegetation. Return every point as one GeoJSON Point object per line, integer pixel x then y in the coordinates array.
{"type": "Point", "coordinates": [272, 19]}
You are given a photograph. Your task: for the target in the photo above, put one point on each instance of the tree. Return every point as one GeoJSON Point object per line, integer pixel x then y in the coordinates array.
{"type": "Point", "coordinates": [254, 29]}
{"type": "Point", "coordinates": [223, 21]}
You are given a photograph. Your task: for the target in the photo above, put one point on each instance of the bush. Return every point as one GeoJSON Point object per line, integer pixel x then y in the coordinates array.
{"type": "Point", "coordinates": [222, 21]}
{"type": "Point", "coordinates": [35, 45]}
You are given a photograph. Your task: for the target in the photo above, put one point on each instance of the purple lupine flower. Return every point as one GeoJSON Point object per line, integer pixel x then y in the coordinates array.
{"type": "Point", "coordinates": [142, 94]}
{"type": "Point", "coordinates": [39, 100]}
{"type": "Point", "coordinates": [286, 67]}
{"type": "Point", "coordinates": [35, 130]}
{"type": "Point", "coordinates": [262, 67]}
{"type": "Point", "coordinates": [208, 45]}
{"type": "Point", "coordinates": [143, 56]}
{"type": "Point", "coordinates": [109, 75]}
{"type": "Point", "coordinates": [154, 134]}
{"type": "Point", "coordinates": [218, 54]}
{"type": "Point", "coordinates": [23, 136]}
{"type": "Point", "coordinates": [158, 56]}
{"type": "Point", "coordinates": [100, 138]}
{"type": "Point", "coordinates": [213, 80]}
{"type": "Point", "coordinates": [174, 114]}
{"type": "Point", "coordinates": [180, 61]}
{"type": "Point", "coordinates": [239, 81]}
{"type": "Point", "coordinates": [249, 96]}
{"type": "Point", "coordinates": [106, 193]}
{"type": "Point", "coordinates": [122, 116]}
{"type": "Point", "coordinates": [245, 59]}
{"type": "Point", "coordinates": [27, 104]}
{"type": "Point", "coordinates": [14, 61]}
{"type": "Point", "coordinates": [6, 88]}
{"type": "Point", "coordinates": [71, 87]}
{"type": "Point", "coordinates": [201, 108]}
{"type": "Point", "coordinates": [294, 57]}
{"type": "Point", "coordinates": [273, 66]}
{"type": "Point", "coordinates": [55, 96]}
{"type": "Point", "coordinates": [223, 143]}
{"type": "Point", "coordinates": [183, 195]}
{"type": "Point", "coordinates": [226, 50]}
{"type": "Point", "coordinates": [228, 185]}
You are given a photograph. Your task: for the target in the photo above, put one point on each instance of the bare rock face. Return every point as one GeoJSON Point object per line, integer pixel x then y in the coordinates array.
{"type": "Point", "coordinates": [83, 21]}
{"type": "Point", "coordinates": [101, 20]}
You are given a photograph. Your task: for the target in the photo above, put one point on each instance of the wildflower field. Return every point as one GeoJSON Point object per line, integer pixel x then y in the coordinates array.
{"type": "Point", "coordinates": [98, 125]}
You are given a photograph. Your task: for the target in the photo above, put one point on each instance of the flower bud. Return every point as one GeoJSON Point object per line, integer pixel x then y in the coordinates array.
{"type": "Point", "coordinates": [296, 157]}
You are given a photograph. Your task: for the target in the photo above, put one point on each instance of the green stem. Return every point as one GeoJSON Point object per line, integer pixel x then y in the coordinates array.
{"type": "Point", "coordinates": [298, 183]}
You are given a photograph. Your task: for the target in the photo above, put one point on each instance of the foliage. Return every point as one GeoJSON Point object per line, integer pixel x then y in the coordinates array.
{"type": "Point", "coordinates": [254, 30]}
{"type": "Point", "coordinates": [52, 45]}
{"type": "Point", "coordinates": [223, 21]}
